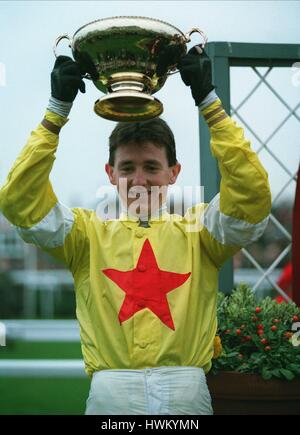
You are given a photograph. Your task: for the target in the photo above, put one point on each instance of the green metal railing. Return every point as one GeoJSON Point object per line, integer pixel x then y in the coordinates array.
{"type": "Point", "coordinates": [225, 55]}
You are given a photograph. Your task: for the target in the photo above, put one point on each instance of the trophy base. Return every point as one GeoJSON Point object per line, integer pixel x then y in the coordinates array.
{"type": "Point", "coordinates": [128, 106]}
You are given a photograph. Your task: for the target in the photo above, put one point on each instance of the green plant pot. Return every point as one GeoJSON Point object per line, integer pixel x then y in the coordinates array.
{"type": "Point", "coordinates": [249, 394]}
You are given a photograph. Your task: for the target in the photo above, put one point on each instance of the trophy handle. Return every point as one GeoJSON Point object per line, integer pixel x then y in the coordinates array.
{"type": "Point", "coordinates": [187, 38]}
{"type": "Point", "coordinates": [57, 41]}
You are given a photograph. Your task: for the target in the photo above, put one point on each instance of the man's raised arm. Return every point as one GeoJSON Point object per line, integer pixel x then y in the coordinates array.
{"type": "Point", "coordinates": [27, 199]}
{"type": "Point", "coordinates": [238, 215]}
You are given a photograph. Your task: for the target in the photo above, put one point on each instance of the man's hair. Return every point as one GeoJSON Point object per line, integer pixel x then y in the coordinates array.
{"type": "Point", "coordinates": [154, 130]}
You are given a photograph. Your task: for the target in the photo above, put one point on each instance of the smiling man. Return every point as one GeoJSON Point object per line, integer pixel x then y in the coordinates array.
{"type": "Point", "coordinates": [146, 283]}
{"type": "Point", "coordinates": [142, 163]}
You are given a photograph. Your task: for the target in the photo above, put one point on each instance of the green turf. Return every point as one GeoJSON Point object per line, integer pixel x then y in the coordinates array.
{"type": "Point", "coordinates": [28, 396]}
{"type": "Point", "coordinates": [40, 350]}
{"type": "Point", "coordinates": [42, 395]}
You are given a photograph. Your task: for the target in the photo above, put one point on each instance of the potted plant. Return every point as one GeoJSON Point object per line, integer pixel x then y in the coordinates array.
{"type": "Point", "coordinates": [256, 365]}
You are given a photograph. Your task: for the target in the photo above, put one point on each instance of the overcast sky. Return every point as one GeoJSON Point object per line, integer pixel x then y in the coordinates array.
{"type": "Point", "coordinates": [28, 30]}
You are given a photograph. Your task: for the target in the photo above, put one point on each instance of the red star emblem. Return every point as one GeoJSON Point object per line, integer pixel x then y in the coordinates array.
{"type": "Point", "coordinates": [146, 286]}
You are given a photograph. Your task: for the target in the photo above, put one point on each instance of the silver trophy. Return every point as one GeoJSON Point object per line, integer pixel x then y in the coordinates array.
{"type": "Point", "coordinates": [130, 59]}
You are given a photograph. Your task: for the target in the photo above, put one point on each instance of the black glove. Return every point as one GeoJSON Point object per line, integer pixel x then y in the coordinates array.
{"type": "Point", "coordinates": [66, 79]}
{"type": "Point", "coordinates": [195, 71]}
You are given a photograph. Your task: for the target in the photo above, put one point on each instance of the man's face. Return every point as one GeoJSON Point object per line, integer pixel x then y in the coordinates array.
{"type": "Point", "coordinates": [138, 172]}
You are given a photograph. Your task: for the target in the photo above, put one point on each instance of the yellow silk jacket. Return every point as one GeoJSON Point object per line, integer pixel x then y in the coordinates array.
{"type": "Point", "coordinates": [145, 297]}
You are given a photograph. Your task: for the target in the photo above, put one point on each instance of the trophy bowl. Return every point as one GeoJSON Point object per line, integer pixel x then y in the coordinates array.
{"type": "Point", "coordinates": [128, 59]}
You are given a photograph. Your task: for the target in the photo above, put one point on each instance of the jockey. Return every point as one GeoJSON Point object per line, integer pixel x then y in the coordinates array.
{"type": "Point", "coordinates": [146, 283]}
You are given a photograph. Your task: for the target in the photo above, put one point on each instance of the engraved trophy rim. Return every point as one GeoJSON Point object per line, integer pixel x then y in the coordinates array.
{"type": "Point", "coordinates": [155, 20]}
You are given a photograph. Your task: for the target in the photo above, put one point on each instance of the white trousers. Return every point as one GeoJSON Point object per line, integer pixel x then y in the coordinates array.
{"type": "Point", "coordinates": [156, 391]}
